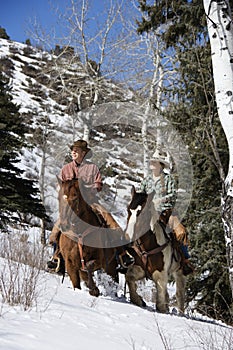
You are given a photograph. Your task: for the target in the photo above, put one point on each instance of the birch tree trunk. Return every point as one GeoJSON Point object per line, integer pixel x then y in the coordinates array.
{"type": "Point", "coordinates": [220, 28]}
{"type": "Point", "coordinates": [42, 177]}
{"type": "Point", "coordinates": [154, 88]}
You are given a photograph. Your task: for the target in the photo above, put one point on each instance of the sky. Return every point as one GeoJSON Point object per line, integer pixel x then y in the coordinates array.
{"type": "Point", "coordinates": [15, 16]}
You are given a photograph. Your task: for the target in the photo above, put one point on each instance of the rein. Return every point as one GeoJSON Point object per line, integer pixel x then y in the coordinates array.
{"type": "Point", "coordinates": [79, 239]}
{"type": "Point", "coordinates": [155, 250]}
{"type": "Point", "coordinates": [80, 248]}
{"type": "Point", "coordinates": [144, 254]}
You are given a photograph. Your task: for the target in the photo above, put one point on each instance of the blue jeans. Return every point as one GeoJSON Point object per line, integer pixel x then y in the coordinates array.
{"type": "Point", "coordinates": [184, 249]}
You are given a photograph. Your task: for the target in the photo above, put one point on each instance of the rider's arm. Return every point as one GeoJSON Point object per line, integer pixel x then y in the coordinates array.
{"type": "Point", "coordinates": [171, 193]}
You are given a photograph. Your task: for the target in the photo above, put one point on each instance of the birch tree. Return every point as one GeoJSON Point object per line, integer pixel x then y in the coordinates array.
{"type": "Point", "coordinates": [153, 89]}
{"type": "Point", "coordinates": [151, 67]}
{"type": "Point", "coordinates": [220, 28]}
{"type": "Point", "coordinates": [91, 45]}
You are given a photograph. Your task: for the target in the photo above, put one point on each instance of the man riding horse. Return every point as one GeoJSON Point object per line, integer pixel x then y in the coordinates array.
{"type": "Point", "coordinates": [83, 169]}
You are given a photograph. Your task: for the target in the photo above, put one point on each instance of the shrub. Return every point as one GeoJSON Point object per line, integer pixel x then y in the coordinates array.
{"type": "Point", "coordinates": [20, 270]}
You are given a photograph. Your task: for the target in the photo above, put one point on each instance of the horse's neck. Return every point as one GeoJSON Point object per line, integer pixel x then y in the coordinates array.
{"type": "Point", "coordinates": [88, 215]}
{"type": "Point", "coordinates": [156, 227]}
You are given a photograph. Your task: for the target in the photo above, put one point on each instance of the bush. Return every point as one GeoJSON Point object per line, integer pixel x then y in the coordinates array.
{"type": "Point", "coordinates": [20, 270]}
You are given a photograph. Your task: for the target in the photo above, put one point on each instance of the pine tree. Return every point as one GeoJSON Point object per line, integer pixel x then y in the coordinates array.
{"type": "Point", "coordinates": [18, 196]}
{"type": "Point", "coordinates": [3, 34]}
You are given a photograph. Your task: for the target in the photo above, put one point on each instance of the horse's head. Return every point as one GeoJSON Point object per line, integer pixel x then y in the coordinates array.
{"type": "Point", "coordinates": [69, 192]}
{"type": "Point", "coordinates": [69, 197]}
{"type": "Point", "coordinates": [75, 212]}
{"type": "Point", "coordinates": [139, 214]}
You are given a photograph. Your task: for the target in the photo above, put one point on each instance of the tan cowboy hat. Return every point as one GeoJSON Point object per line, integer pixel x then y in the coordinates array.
{"type": "Point", "coordinates": [161, 157]}
{"type": "Point", "coordinates": [80, 144]}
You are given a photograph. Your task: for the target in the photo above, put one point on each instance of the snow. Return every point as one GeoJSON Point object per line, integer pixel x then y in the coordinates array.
{"type": "Point", "coordinates": [66, 318]}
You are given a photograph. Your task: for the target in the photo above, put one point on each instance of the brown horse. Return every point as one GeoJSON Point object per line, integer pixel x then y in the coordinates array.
{"type": "Point", "coordinates": [155, 254]}
{"type": "Point", "coordinates": [83, 240]}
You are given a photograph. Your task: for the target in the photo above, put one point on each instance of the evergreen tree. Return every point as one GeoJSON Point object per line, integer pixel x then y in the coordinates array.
{"type": "Point", "coordinates": [192, 110]}
{"type": "Point", "coordinates": [3, 34]}
{"type": "Point", "coordinates": [18, 196]}
{"type": "Point", "coordinates": [28, 42]}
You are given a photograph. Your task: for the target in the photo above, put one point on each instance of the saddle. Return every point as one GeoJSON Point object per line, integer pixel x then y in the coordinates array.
{"type": "Point", "coordinates": [105, 219]}
{"type": "Point", "coordinates": [174, 224]}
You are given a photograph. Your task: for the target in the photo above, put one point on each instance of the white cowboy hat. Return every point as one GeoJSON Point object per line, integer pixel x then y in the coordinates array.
{"type": "Point", "coordinates": [161, 157]}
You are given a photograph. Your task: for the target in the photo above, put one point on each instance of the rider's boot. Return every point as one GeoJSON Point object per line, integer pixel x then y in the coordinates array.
{"type": "Point", "coordinates": [187, 267]}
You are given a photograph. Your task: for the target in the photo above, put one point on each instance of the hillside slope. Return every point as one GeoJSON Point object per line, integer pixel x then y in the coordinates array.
{"type": "Point", "coordinates": [65, 318]}
{"type": "Point", "coordinates": [37, 87]}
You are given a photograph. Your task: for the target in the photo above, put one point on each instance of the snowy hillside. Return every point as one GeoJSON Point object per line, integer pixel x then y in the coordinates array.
{"type": "Point", "coordinates": [64, 318]}
{"type": "Point", "coordinates": [40, 82]}
{"type": "Point", "coordinates": [37, 89]}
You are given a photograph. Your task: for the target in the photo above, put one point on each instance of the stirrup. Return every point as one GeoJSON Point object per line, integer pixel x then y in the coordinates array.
{"type": "Point", "coordinates": [54, 265]}
{"type": "Point", "coordinates": [126, 260]}
{"type": "Point", "coordinates": [121, 269]}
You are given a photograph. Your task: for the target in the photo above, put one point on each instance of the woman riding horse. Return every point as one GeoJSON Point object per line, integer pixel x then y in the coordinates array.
{"type": "Point", "coordinates": [155, 252]}
{"type": "Point", "coordinates": [163, 186]}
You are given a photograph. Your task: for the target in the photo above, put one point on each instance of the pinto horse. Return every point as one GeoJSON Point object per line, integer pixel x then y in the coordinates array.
{"type": "Point", "coordinates": [81, 242]}
{"type": "Point", "coordinates": [155, 255]}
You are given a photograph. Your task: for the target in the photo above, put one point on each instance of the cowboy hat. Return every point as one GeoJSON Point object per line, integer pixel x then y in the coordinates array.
{"type": "Point", "coordinates": [161, 157]}
{"type": "Point", "coordinates": [80, 144]}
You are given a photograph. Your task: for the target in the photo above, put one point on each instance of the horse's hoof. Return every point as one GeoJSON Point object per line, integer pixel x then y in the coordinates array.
{"type": "Point", "coordinates": [94, 292]}
{"type": "Point", "coordinates": [162, 310]}
{"type": "Point", "coordinates": [143, 303]}
{"type": "Point", "coordinates": [139, 302]}
{"type": "Point", "coordinates": [77, 286]}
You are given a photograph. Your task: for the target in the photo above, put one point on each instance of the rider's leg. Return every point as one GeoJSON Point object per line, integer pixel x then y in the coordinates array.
{"type": "Point", "coordinates": [184, 248]}
{"type": "Point", "coordinates": [57, 262]}
{"type": "Point", "coordinates": [187, 267]}
{"type": "Point", "coordinates": [182, 237]}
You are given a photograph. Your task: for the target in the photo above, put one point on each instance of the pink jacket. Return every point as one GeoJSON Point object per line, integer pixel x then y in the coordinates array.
{"type": "Point", "coordinates": [87, 171]}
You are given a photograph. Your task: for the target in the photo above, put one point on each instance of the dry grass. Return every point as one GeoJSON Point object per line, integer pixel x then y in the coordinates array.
{"type": "Point", "coordinates": [20, 270]}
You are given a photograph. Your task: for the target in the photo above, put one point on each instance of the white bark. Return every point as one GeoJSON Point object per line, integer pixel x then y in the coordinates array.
{"type": "Point", "coordinates": [154, 88]}
{"type": "Point", "coordinates": [220, 28]}
{"type": "Point", "coordinates": [42, 175]}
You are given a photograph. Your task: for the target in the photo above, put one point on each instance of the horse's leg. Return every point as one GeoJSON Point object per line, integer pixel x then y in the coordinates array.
{"type": "Point", "coordinates": [72, 269]}
{"type": "Point", "coordinates": [133, 274]}
{"type": "Point", "coordinates": [70, 254]}
{"type": "Point", "coordinates": [110, 264]}
{"type": "Point", "coordinates": [93, 289]}
{"type": "Point", "coordinates": [162, 297]}
{"type": "Point", "coordinates": [112, 271]}
{"type": "Point", "coordinates": [180, 280]}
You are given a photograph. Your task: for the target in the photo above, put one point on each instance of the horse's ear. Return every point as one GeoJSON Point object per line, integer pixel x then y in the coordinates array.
{"type": "Point", "coordinates": [133, 191]}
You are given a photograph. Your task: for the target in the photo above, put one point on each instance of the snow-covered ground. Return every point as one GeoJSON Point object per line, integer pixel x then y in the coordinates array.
{"type": "Point", "coordinates": [64, 318]}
